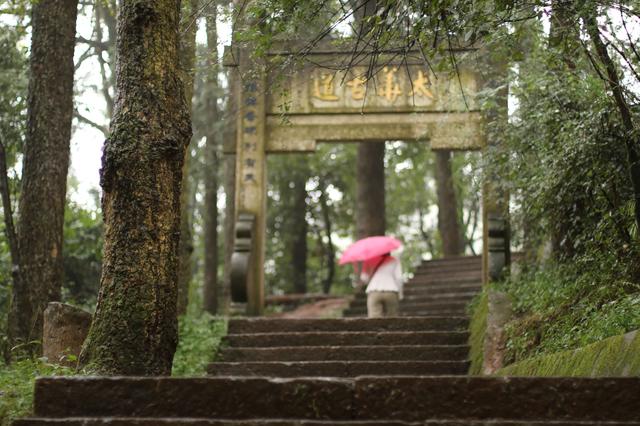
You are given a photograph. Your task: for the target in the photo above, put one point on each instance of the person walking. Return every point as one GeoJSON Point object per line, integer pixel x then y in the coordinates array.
{"type": "Point", "coordinates": [383, 276]}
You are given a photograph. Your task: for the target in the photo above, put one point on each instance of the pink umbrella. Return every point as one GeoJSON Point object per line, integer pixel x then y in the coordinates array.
{"type": "Point", "coordinates": [368, 248]}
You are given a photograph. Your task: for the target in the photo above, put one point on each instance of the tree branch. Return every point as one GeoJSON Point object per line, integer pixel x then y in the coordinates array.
{"type": "Point", "coordinates": [81, 118]}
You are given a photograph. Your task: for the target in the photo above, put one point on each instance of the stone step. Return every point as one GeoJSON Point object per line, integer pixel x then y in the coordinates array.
{"type": "Point", "coordinates": [338, 368]}
{"type": "Point", "coordinates": [346, 353]}
{"type": "Point", "coordinates": [361, 313]}
{"type": "Point", "coordinates": [348, 338]}
{"type": "Point", "coordinates": [414, 303]}
{"type": "Point", "coordinates": [132, 421]}
{"type": "Point", "coordinates": [452, 267]}
{"type": "Point", "coordinates": [281, 325]}
{"type": "Point", "coordinates": [433, 289]}
{"type": "Point", "coordinates": [422, 298]}
{"type": "Point", "coordinates": [399, 398]}
{"type": "Point", "coordinates": [458, 260]}
{"type": "Point", "coordinates": [446, 277]}
{"type": "Point", "coordinates": [418, 310]}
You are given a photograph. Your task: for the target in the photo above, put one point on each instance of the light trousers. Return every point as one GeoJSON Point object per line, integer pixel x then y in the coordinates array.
{"type": "Point", "coordinates": [382, 304]}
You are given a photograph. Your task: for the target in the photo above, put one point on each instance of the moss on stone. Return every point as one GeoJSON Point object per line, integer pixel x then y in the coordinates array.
{"type": "Point", "coordinates": [477, 329]}
{"type": "Point", "coordinates": [615, 356]}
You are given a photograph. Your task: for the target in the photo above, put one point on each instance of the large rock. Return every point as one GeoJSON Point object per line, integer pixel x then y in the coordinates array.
{"type": "Point", "coordinates": [65, 328]}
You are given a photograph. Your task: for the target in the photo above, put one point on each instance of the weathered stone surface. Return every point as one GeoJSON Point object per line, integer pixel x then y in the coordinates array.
{"type": "Point", "coordinates": [339, 368]}
{"type": "Point", "coordinates": [499, 313]}
{"type": "Point", "coordinates": [270, 422]}
{"type": "Point", "coordinates": [65, 328]}
{"type": "Point", "coordinates": [346, 353]}
{"type": "Point", "coordinates": [267, 325]}
{"type": "Point", "coordinates": [222, 398]}
{"type": "Point", "coordinates": [347, 338]}
{"type": "Point", "coordinates": [412, 399]}
{"type": "Point", "coordinates": [419, 398]}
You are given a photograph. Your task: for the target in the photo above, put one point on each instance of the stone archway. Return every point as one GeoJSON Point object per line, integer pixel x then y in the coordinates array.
{"type": "Point", "coordinates": [322, 97]}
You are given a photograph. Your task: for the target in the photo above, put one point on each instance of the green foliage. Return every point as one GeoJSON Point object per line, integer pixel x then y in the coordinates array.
{"type": "Point", "coordinates": [17, 383]}
{"type": "Point", "coordinates": [83, 239]}
{"type": "Point", "coordinates": [200, 335]}
{"type": "Point", "coordinates": [567, 306]}
{"type": "Point", "coordinates": [613, 357]}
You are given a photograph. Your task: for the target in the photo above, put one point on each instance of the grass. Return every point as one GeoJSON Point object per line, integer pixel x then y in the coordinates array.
{"type": "Point", "coordinates": [565, 307]}
{"type": "Point", "coordinates": [200, 337]}
{"type": "Point", "coordinates": [479, 310]}
{"type": "Point", "coordinates": [16, 386]}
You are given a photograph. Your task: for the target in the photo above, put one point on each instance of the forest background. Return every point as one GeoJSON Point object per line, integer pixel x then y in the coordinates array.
{"type": "Point", "coordinates": [568, 157]}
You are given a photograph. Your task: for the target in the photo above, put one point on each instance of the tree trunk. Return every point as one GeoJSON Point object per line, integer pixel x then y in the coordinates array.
{"type": "Point", "coordinates": [39, 277]}
{"type": "Point", "coordinates": [448, 221]}
{"type": "Point", "coordinates": [330, 252]}
{"type": "Point", "coordinates": [299, 229]}
{"type": "Point", "coordinates": [632, 144]}
{"type": "Point", "coordinates": [212, 164]}
{"type": "Point", "coordinates": [229, 222]}
{"type": "Point", "coordinates": [187, 60]}
{"type": "Point", "coordinates": [370, 199]}
{"type": "Point", "coordinates": [134, 330]}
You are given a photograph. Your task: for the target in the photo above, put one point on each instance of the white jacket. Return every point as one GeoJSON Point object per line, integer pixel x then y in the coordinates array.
{"type": "Point", "coordinates": [388, 277]}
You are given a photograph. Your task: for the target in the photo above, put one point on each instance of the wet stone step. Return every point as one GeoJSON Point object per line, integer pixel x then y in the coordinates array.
{"type": "Point", "coordinates": [347, 338]}
{"type": "Point", "coordinates": [424, 298]}
{"type": "Point", "coordinates": [280, 325]}
{"type": "Point", "coordinates": [129, 421]}
{"type": "Point", "coordinates": [434, 280]}
{"type": "Point", "coordinates": [338, 368]}
{"type": "Point", "coordinates": [347, 353]}
{"type": "Point", "coordinates": [412, 399]}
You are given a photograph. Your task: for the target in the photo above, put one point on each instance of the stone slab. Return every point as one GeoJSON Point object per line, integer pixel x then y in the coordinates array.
{"type": "Point", "coordinates": [273, 325]}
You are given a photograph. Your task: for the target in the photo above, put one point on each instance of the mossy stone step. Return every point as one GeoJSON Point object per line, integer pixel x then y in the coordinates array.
{"type": "Point", "coordinates": [129, 421]}
{"type": "Point", "coordinates": [346, 338]}
{"type": "Point", "coordinates": [412, 399]}
{"type": "Point", "coordinates": [281, 325]}
{"type": "Point", "coordinates": [338, 368]}
{"type": "Point", "coordinates": [347, 353]}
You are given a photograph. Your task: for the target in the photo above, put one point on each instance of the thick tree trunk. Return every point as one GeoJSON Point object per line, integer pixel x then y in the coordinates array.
{"type": "Point", "coordinates": [299, 229]}
{"type": "Point", "coordinates": [330, 252]}
{"type": "Point", "coordinates": [370, 197]}
{"type": "Point", "coordinates": [187, 61]}
{"type": "Point", "coordinates": [212, 164]}
{"type": "Point", "coordinates": [134, 330]}
{"type": "Point", "coordinates": [448, 220]}
{"type": "Point", "coordinates": [44, 174]}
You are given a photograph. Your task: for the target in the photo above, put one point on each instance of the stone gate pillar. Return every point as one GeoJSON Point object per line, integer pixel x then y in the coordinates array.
{"type": "Point", "coordinates": [496, 252]}
{"type": "Point", "coordinates": [249, 250]}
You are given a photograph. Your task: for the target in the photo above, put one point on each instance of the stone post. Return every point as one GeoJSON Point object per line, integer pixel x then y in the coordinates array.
{"type": "Point", "coordinates": [496, 254]}
{"type": "Point", "coordinates": [251, 170]}
{"type": "Point", "coordinates": [65, 328]}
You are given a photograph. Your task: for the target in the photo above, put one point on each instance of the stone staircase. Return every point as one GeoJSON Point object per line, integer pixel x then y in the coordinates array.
{"type": "Point", "coordinates": [353, 371]}
{"type": "Point", "coordinates": [438, 287]}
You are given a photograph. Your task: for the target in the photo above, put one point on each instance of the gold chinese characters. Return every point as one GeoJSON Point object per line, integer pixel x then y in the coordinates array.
{"type": "Point", "coordinates": [388, 86]}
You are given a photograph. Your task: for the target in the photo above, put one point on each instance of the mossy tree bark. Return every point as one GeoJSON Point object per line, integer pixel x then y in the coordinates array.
{"type": "Point", "coordinates": [188, 29]}
{"type": "Point", "coordinates": [38, 279]}
{"type": "Point", "coordinates": [370, 190]}
{"type": "Point", "coordinates": [449, 225]}
{"type": "Point", "coordinates": [134, 330]}
{"type": "Point", "coordinates": [212, 165]}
